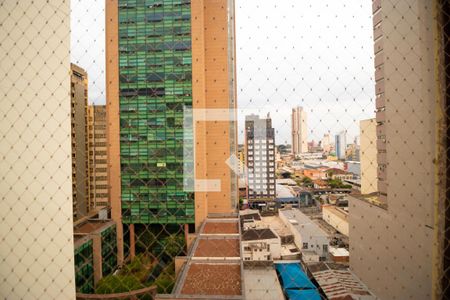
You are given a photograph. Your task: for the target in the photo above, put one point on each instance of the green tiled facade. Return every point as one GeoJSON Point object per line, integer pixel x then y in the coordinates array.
{"type": "Point", "coordinates": [109, 250]}
{"type": "Point", "coordinates": [84, 267]}
{"type": "Point", "coordinates": [155, 73]}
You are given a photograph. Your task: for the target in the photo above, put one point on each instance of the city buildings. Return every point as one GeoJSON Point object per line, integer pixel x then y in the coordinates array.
{"type": "Point", "coordinates": [260, 154]}
{"type": "Point", "coordinates": [171, 82]}
{"type": "Point", "coordinates": [299, 131]}
{"type": "Point", "coordinates": [340, 145]}
{"type": "Point", "coordinates": [352, 152]}
{"type": "Point", "coordinates": [98, 175]}
{"type": "Point", "coordinates": [80, 143]}
{"type": "Point", "coordinates": [369, 165]}
{"type": "Point", "coordinates": [391, 244]}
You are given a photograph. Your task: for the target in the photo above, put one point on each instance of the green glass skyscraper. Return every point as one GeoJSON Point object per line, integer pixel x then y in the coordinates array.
{"type": "Point", "coordinates": [163, 59]}
{"type": "Point", "coordinates": [155, 66]}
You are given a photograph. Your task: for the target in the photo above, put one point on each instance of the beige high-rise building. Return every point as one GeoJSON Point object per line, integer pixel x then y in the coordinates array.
{"type": "Point", "coordinates": [368, 153]}
{"type": "Point", "coordinates": [80, 143]}
{"type": "Point", "coordinates": [299, 131]}
{"type": "Point", "coordinates": [391, 242]}
{"type": "Point", "coordinates": [98, 166]}
{"type": "Point", "coordinates": [36, 247]}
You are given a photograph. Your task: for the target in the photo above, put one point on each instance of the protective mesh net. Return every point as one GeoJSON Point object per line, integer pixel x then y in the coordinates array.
{"type": "Point", "coordinates": [224, 149]}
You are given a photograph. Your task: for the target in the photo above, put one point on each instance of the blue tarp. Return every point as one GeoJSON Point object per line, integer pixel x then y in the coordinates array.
{"type": "Point", "coordinates": [293, 277]}
{"type": "Point", "coordinates": [303, 294]}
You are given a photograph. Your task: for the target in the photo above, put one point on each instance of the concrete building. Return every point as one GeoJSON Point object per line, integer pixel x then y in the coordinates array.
{"type": "Point", "coordinates": [260, 245]}
{"type": "Point", "coordinates": [326, 144]}
{"type": "Point", "coordinates": [340, 145]}
{"type": "Point", "coordinates": [353, 167]}
{"type": "Point", "coordinates": [308, 236]}
{"type": "Point", "coordinates": [35, 149]}
{"type": "Point", "coordinates": [335, 173]}
{"type": "Point", "coordinates": [98, 180]}
{"type": "Point", "coordinates": [299, 131]}
{"type": "Point", "coordinates": [260, 154]}
{"type": "Point", "coordinates": [336, 217]}
{"type": "Point", "coordinates": [369, 165]}
{"type": "Point", "coordinates": [401, 266]}
{"type": "Point", "coordinates": [147, 144]}
{"type": "Point", "coordinates": [95, 252]}
{"type": "Point", "coordinates": [80, 142]}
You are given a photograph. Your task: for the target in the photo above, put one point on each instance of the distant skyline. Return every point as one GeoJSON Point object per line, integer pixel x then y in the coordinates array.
{"type": "Point", "coordinates": [314, 54]}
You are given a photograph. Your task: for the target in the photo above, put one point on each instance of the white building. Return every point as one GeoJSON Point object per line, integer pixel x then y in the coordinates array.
{"type": "Point", "coordinates": [260, 153]}
{"type": "Point", "coordinates": [336, 217]}
{"type": "Point", "coordinates": [260, 244]}
{"type": "Point", "coordinates": [325, 143]}
{"type": "Point", "coordinates": [341, 145]}
{"type": "Point", "coordinates": [299, 131]}
{"type": "Point", "coordinates": [308, 236]}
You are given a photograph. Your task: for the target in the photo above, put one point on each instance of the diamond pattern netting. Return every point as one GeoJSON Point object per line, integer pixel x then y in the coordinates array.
{"type": "Point", "coordinates": [372, 74]}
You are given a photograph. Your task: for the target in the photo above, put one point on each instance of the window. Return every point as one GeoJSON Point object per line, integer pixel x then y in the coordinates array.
{"type": "Point", "coordinates": [305, 246]}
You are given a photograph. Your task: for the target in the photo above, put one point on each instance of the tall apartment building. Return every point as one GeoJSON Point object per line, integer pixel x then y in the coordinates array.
{"type": "Point", "coordinates": [326, 143]}
{"type": "Point", "coordinates": [260, 154]}
{"type": "Point", "coordinates": [299, 131]}
{"type": "Point", "coordinates": [162, 58]}
{"type": "Point", "coordinates": [80, 144]}
{"type": "Point", "coordinates": [35, 151]}
{"type": "Point", "coordinates": [340, 144]}
{"type": "Point", "coordinates": [98, 178]}
{"type": "Point", "coordinates": [391, 244]}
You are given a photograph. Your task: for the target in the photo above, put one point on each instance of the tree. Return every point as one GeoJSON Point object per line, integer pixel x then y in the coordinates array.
{"type": "Point", "coordinates": [118, 284]}
{"type": "Point", "coordinates": [165, 283]}
{"type": "Point", "coordinates": [173, 245]}
{"type": "Point", "coordinates": [286, 175]}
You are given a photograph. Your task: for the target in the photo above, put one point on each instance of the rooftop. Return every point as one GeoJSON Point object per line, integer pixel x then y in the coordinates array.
{"type": "Point", "coordinates": [213, 266]}
{"type": "Point", "coordinates": [262, 283]}
{"type": "Point", "coordinates": [92, 226]}
{"type": "Point", "coordinates": [221, 228]}
{"type": "Point", "coordinates": [372, 199]}
{"type": "Point", "coordinates": [338, 251]}
{"type": "Point", "coordinates": [284, 192]}
{"type": "Point", "coordinates": [286, 181]}
{"type": "Point", "coordinates": [339, 212]}
{"type": "Point", "coordinates": [338, 282]}
{"type": "Point", "coordinates": [302, 223]}
{"type": "Point", "coordinates": [212, 279]}
{"type": "Point", "coordinates": [220, 247]}
{"type": "Point", "coordinates": [258, 234]}
{"type": "Point", "coordinates": [337, 171]}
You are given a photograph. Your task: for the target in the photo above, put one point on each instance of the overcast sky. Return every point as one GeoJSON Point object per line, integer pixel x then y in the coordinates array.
{"type": "Point", "coordinates": [315, 54]}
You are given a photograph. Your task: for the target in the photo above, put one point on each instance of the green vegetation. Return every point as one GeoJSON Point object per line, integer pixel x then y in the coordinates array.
{"type": "Point", "coordinates": [305, 181]}
{"type": "Point", "coordinates": [154, 265]}
{"type": "Point", "coordinates": [286, 175]}
{"type": "Point", "coordinates": [338, 184]}
{"type": "Point", "coordinates": [118, 284]}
